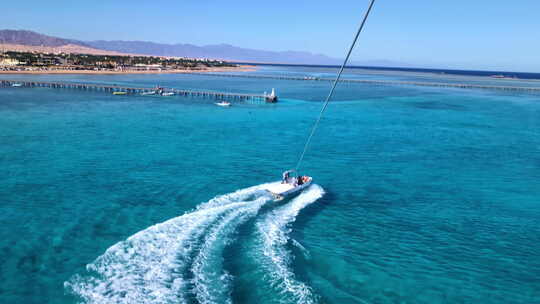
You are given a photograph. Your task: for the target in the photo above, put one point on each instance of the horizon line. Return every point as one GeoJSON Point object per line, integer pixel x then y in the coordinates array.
{"type": "Point", "coordinates": [405, 69]}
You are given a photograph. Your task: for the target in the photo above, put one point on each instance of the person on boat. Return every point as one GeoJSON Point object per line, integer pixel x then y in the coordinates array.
{"type": "Point", "coordinates": [300, 180]}
{"type": "Point", "coordinates": [285, 178]}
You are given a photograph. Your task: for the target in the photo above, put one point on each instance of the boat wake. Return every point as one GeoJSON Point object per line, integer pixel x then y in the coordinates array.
{"type": "Point", "coordinates": [273, 230]}
{"type": "Point", "coordinates": [181, 260]}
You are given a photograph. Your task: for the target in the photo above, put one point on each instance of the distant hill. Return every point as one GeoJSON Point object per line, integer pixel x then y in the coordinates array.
{"type": "Point", "coordinates": [22, 40]}
{"type": "Point", "coordinates": [67, 49]}
{"type": "Point", "coordinates": [217, 51]}
{"type": "Point", "coordinates": [32, 38]}
{"type": "Point", "coordinates": [28, 41]}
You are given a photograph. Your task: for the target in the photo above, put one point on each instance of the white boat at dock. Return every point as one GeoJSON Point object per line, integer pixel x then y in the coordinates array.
{"type": "Point", "coordinates": [223, 104]}
{"type": "Point", "coordinates": [272, 98]}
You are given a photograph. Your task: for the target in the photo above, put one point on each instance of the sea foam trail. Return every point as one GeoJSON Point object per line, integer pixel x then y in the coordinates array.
{"type": "Point", "coordinates": [155, 264]}
{"type": "Point", "coordinates": [211, 282]}
{"type": "Point", "coordinates": [238, 195]}
{"type": "Point", "coordinates": [276, 259]}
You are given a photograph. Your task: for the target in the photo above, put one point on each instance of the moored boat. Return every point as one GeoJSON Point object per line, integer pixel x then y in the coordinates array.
{"type": "Point", "coordinates": [272, 97]}
{"type": "Point", "coordinates": [223, 103]}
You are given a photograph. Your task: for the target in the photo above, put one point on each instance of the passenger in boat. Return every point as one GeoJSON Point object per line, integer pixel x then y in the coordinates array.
{"type": "Point", "coordinates": [300, 180]}
{"type": "Point", "coordinates": [285, 178]}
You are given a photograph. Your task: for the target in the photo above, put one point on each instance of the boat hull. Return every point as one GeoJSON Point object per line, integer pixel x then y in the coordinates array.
{"type": "Point", "coordinates": [281, 191]}
{"type": "Point", "coordinates": [223, 104]}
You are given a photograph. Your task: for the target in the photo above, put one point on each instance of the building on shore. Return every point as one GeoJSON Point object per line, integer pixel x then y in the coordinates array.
{"type": "Point", "coordinates": [9, 62]}
{"type": "Point", "coordinates": [12, 60]}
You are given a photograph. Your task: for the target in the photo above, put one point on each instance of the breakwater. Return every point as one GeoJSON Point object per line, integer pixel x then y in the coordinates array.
{"type": "Point", "coordinates": [383, 82]}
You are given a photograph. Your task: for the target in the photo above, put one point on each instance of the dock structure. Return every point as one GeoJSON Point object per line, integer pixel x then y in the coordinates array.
{"type": "Point", "coordinates": [141, 90]}
{"type": "Point", "coordinates": [383, 82]}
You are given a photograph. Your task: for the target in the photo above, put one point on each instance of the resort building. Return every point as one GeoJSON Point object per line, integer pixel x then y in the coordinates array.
{"type": "Point", "coordinates": [9, 62]}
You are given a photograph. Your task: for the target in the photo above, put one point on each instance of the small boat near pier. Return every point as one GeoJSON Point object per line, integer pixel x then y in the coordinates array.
{"type": "Point", "coordinates": [223, 103]}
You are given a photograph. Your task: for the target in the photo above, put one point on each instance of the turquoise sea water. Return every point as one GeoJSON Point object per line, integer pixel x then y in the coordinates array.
{"type": "Point", "coordinates": [422, 195]}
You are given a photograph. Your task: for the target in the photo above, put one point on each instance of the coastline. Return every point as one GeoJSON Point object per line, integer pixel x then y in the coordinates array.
{"type": "Point", "coordinates": [240, 68]}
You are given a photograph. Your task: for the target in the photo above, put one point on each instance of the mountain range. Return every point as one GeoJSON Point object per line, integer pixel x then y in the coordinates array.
{"type": "Point", "coordinates": [32, 41]}
{"type": "Point", "coordinates": [216, 51]}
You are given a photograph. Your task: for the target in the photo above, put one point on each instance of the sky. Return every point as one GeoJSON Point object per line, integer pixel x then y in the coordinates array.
{"type": "Point", "coordinates": [460, 34]}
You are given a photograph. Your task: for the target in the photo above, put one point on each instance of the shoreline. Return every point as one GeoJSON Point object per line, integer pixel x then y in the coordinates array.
{"type": "Point", "coordinates": [241, 68]}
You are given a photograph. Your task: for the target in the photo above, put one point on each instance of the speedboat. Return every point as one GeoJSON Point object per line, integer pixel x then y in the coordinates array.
{"type": "Point", "coordinates": [223, 104]}
{"type": "Point", "coordinates": [17, 85]}
{"type": "Point", "coordinates": [167, 94]}
{"type": "Point", "coordinates": [149, 93]}
{"type": "Point", "coordinates": [119, 93]}
{"type": "Point", "coordinates": [288, 186]}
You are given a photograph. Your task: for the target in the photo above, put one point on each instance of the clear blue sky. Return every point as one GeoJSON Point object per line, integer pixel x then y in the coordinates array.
{"type": "Point", "coordinates": [470, 34]}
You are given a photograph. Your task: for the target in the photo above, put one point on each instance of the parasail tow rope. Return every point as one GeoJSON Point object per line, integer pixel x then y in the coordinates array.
{"type": "Point", "coordinates": [314, 128]}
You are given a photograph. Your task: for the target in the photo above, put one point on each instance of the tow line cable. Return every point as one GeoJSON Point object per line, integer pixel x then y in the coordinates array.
{"type": "Point", "coordinates": [314, 128]}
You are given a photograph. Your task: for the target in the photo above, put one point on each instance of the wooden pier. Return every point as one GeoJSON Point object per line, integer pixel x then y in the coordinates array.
{"type": "Point", "coordinates": [383, 82]}
{"type": "Point", "coordinates": [139, 90]}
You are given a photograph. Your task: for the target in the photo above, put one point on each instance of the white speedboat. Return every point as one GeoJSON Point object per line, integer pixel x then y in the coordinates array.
{"type": "Point", "coordinates": [167, 94]}
{"type": "Point", "coordinates": [288, 186]}
{"type": "Point", "coordinates": [223, 104]}
{"type": "Point", "coordinates": [17, 85]}
{"type": "Point", "coordinates": [149, 93]}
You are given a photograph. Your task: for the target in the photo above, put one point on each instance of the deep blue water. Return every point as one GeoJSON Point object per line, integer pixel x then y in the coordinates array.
{"type": "Point", "coordinates": [422, 195]}
{"type": "Point", "coordinates": [509, 74]}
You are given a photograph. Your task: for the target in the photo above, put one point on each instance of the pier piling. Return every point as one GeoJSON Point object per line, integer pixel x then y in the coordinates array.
{"type": "Point", "coordinates": [138, 90]}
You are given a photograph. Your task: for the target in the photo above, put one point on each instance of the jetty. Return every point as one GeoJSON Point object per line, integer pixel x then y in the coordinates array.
{"type": "Point", "coordinates": [382, 82]}
{"type": "Point", "coordinates": [125, 90]}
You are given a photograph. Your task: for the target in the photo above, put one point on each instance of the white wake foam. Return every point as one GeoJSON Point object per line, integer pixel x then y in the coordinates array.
{"type": "Point", "coordinates": [153, 265]}
{"type": "Point", "coordinates": [274, 231]}
{"type": "Point", "coordinates": [237, 196]}
{"type": "Point", "coordinates": [211, 282]}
